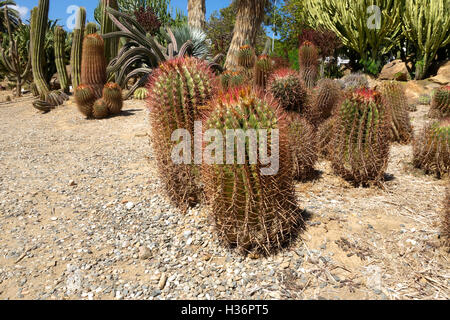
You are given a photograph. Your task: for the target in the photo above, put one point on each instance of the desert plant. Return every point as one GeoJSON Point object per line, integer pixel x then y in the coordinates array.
{"type": "Point", "coordinates": [100, 109]}
{"type": "Point", "coordinates": [112, 94]}
{"type": "Point", "coordinates": [394, 99]}
{"type": "Point", "coordinates": [304, 146]}
{"type": "Point", "coordinates": [141, 94]}
{"type": "Point", "coordinates": [93, 63]}
{"type": "Point", "coordinates": [432, 149]}
{"type": "Point", "coordinates": [361, 138]}
{"type": "Point", "coordinates": [289, 90]}
{"type": "Point", "coordinates": [178, 92]}
{"type": "Point", "coordinates": [309, 63]}
{"type": "Point", "coordinates": [77, 47]}
{"type": "Point", "coordinates": [354, 81]}
{"type": "Point", "coordinates": [60, 57]}
{"type": "Point", "coordinates": [425, 99]}
{"type": "Point", "coordinates": [147, 18]}
{"type": "Point", "coordinates": [262, 71]}
{"type": "Point", "coordinates": [253, 210]}
{"type": "Point", "coordinates": [325, 137]}
{"type": "Point", "coordinates": [91, 28]}
{"type": "Point", "coordinates": [246, 57]}
{"type": "Point", "coordinates": [232, 79]}
{"type": "Point", "coordinates": [440, 105]}
{"type": "Point", "coordinates": [108, 26]}
{"type": "Point", "coordinates": [85, 99]}
{"type": "Point", "coordinates": [324, 100]}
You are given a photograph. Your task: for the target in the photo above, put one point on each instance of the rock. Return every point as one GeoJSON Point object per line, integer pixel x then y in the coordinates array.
{"type": "Point", "coordinates": [72, 183]}
{"type": "Point", "coordinates": [285, 265]}
{"type": "Point", "coordinates": [129, 205]}
{"type": "Point", "coordinates": [144, 253]}
{"type": "Point", "coordinates": [187, 234]}
{"type": "Point", "coordinates": [162, 281]}
{"type": "Point", "coordinates": [395, 70]}
{"type": "Point", "coordinates": [443, 75]}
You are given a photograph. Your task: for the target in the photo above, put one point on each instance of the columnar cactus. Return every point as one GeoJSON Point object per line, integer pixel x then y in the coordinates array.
{"type": "Point", "coordinates": [246, 57]}
{"type": "Point", "coordinates": [432, 149]}
{"type": "Point", "coordinates": [112, 94]}
{"type": "Point", "coordinates": [309, 63]}
{"type": "Point", "coordinates": [361, 138]}
{"type": "Point", "coordinates": [141, 94]}
{"type": "Point", "coordinates": [108, 26]}
{"type": "Point", "coordinates": [324, 101]}
{"type": "Point", "coordinates": [93, 63]}
{"type": "Point", "coordinates": [60, 40]}
{"type": "Point", "coordinates": [77, 47]}
{"type": "Point", "coordinates": [304, 146]}
{"type": "Point", "coordinates": [289, 90]}
{"type": "Point", "coordinates": [252, 211]}
{"type": "Point", "coordinates": [394, 99]}
{"type": "Point", "coordinates": [91, 28]}
{"type": "Point", "coordinates": [178, 93]}
{"type": "Point", "coordinates": [262, 71]}
{"type": "Point", "coordinates": [85, 99]}
{"type": "Point", "coordinates": [440, 106]}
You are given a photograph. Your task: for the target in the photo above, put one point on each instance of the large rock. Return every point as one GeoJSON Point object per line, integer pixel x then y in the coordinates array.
{"type": "Point", "coordinates": [395, 70]}
{"type": "Point", "coordinates": [443, 74]}
{"type": "Point", "coordinates": [416, 88]}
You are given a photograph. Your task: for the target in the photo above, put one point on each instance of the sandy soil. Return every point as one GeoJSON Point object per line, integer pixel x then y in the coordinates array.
{"type": "Point", "coordinates": [79, 203]}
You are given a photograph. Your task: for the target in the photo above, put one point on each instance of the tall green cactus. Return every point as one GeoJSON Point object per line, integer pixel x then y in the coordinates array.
{"type": "Point", "coordinates": [361, 138]}
{"type": "Point", "coordinates": [39, 24]}
{"type": "Point", "coordinates": [60, 40]}
{"type": "Point", "coordinates": [426, 24]}
{"type": "Point", "coordinates": [253, 210]}
{"type": "Point", "coordinates": [108, 26]}
{"type": "Point", "coordinates": [91, 28]}
{"type": "Point", "coordinates": [178, 93]}
{"type": "Point", "coordinates": [93, 63]}
{"type": "Point", "coordinates": [77, 45]}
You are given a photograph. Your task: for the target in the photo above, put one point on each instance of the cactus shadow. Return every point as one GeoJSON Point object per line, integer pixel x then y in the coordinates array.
{"type": "Point", "coordinates": [311, 177]}
{"type": "Point", "coordinates": [126, 113]}
{"type": "Point", "coordinates": [389, 177]}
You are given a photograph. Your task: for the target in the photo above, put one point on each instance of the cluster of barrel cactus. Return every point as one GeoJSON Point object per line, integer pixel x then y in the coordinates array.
{"type": "Point", "coordinates": [361, 138]}
{"type": "Point", "coordinates": [253, 210]}
{"type": "Point", "coordinates": [440, 105]}
{"type": "Point", "coordinates": [178, 93]}
{"type": "Point", "coordinates": [94, 98]}
{"type": "Point", "coordinates": [394, 99]}
{"type": "Point", "coordinates": [432, 149]}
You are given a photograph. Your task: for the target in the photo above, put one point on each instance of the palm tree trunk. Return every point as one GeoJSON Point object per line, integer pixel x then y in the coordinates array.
{"type": "Point", "coordinates": [250, 14]}
{"type": "Point", "coordinates": [196, 14]}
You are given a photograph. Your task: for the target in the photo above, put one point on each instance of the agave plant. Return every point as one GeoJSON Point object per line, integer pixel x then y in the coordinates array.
{"type": "Point", "coordinates": [142, 53]}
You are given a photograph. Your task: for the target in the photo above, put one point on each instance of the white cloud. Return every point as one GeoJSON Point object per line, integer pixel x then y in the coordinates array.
{"type": "Point", "coordinates": [23, 11]}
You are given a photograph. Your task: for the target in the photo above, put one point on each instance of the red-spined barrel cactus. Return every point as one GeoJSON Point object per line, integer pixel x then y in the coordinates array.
{"type": "Point", "coordinates": [361, 138]}
{"type": "Point", "coordinates": [85, 99]}
{"type": "Point", "coordinates": [325, 99]}
{"type": "Point", "coordinates": [432, 149]}
{"type": "Point", "coordinates": [93, 63]}
{"type": "Point", "coordinates": [394, 99]}
{"type": "Point", "coordinates": [309, 63]}
{"type": "Point", "coordinates": [440, 105]}
{"type": "Point", "coordinates": [288, 88]}
{"type": "Point", "coordinates": [304, 146]}
{"type": "Point", "coordinates": [112, 94]}
{"type": "Point", "coordinates": [179, 92]}
{"type": "Point", "coordinates": [253, 210]}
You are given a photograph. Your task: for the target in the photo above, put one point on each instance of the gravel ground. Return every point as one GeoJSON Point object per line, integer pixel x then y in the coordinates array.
{"type": "Point", "coordinates": [82, 216]}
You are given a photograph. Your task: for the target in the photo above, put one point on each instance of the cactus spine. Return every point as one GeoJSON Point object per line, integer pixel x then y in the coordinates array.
{"type": "Point", "coordinates": [39, 24]}
{"type": "Point", "coordinates": [246, 57]}
{"type": "Point", "coordinates": [108, 26]}
{"type": "Point", "coordinates": [93, 63]}
{"type": "Point", "coordinates": [361, 139]}
{"type": "Point", "coordinates": [252, 211]}
{"type": "Point", "coordinates": [432, 149]}
{"type": "Point", "coordinates": [178, 92]}
{"type": "Point", "coordinates": [60, 39]}
{"type": "Point", "coordinates": [309, 63]}
{"type": "Point", "coordinates": [77, 42]}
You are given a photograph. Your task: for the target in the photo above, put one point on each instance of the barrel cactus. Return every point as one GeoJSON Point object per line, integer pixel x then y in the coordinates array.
{"type": "Point", "coordinates": [253, 210]}
{"type": "Point", "coordinates": [309, 63]}
{"type": "Point", "coordinates": [112, 94]}
{"type": "Point", "coordinates": [246, 57]}
{"type": "Point", "coordinates": [361, 138]}
{"type": "Point", "coordinates": [141, 94]}
{"type": "Point", "coordinates": [262, 71]}
{"type": "Point", "coordinates": [91, 28]}
{"type": "Point", "coordinates": [324, 101]}
{"type": "Point", "coordinates": [432, 149]}
{"type": "Point", "coordinates": [440, 106]}
{"type": "Point", "coordinates": [325, 137]}
{"type": "Point", "coordinates": [178, 93]}
{"type": "Point", "coordinates": [100, 109]}
{"type": "Point", "coordinates": [232, 79]}
{"type": "Point", "coordinates": [93, 63]}
{"type": "Point", "coordinates": [304, 146]}
{"type": "Point", "coordinates": [85, 99]}
{"type": "Point", "coordinates": [394, 99]}
{"type": "Point", "coordinates": [289, 90]}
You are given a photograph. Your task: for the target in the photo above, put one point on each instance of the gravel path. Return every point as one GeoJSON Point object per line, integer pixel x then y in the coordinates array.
{"type": "Point", "coordinates": [82, 217]}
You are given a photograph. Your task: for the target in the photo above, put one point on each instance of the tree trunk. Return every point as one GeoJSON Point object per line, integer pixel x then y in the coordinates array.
{"type": "Point", "coordinates": [250, 14]}
{"type": "Point", "coordinates": [196, 14]}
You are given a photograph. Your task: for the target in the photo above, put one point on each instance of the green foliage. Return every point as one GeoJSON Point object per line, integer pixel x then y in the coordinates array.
{"type": "Point", "coordinates": [13, 16]}
{"type": "Point", "coordinates": [371, 66]}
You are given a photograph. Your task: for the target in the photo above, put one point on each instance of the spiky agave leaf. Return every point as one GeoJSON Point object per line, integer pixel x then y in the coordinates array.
{"type": "Point", "coordinates": [252, 211]}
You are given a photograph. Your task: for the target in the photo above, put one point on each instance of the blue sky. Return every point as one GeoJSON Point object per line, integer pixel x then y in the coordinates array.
{"type": "Point", "coordinates": [59, 8]}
